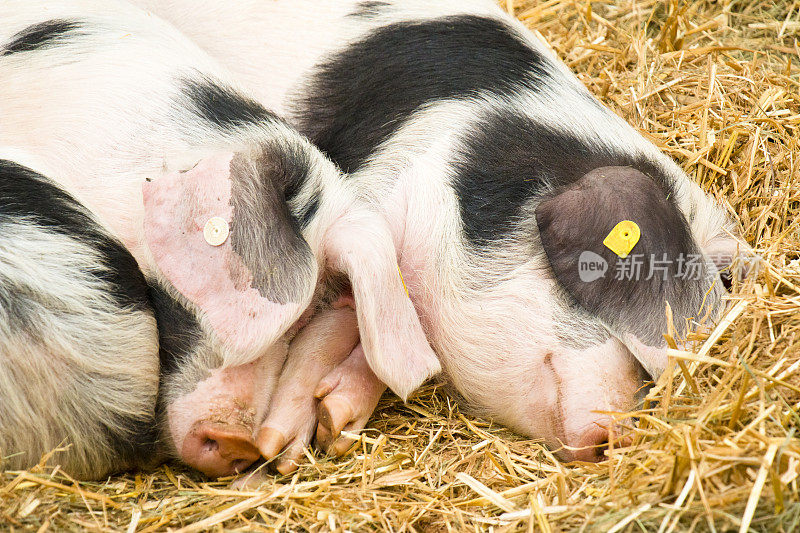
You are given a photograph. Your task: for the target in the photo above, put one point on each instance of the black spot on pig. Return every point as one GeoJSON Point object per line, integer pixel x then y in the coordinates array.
{"type": "Point", "coordinates": [357, 99]}
{"type": "Point", "coordinates": [222, 106]}
{"type": "Point", "coordinates": [264, 233]}
{"type": "Point", "coordinates": [42, 35]}
{"type": "Point", "coordinates": [369, 9]}
{"type": "Point", "coordinates": [26, 195]}
{"type": "Point", "coordinates": [508, 160]}
{"type": "Point", "coordinates": [179, 332]}
{"type": "Point", "coordinates": [629, 294]}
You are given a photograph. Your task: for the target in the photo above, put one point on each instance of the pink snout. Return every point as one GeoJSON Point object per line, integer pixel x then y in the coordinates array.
{"type": "Point", "coordinates": [591, 444]}
{"type": "Point", "coordinates": [218, 449]}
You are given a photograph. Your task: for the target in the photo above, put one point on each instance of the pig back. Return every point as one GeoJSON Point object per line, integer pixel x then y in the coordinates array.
{"type": "Point", "coordinates": [78, 349]}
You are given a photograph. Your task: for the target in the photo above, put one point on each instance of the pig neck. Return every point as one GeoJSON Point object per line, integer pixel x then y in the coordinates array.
{"type": "Point", "coordinates": [461, 295]}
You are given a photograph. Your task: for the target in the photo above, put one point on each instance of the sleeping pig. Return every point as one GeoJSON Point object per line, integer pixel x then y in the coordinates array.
{"type": "Point", "coordinates": [541, 238]}
{"type": "Point", "coordinates": [79, 345]}
{"type": "Point", "coordinates": [238, 224]}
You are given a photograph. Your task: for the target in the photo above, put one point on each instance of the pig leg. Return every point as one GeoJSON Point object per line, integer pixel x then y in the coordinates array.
{"type": "Point", "coordinates": [316, 350]}
{"type": "Point", "coordinates": [348, 396]}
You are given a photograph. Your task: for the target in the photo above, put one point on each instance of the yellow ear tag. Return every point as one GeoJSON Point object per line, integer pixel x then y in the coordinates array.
{"type": "Point", "coordinates": [623, 238]}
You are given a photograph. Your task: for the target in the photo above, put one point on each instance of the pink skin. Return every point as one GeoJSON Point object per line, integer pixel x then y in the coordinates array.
{"type": "Point", "coordinates": [212, 427]}
{"type": "Point", "coordinates": [316, 350]}
{"type": "Point", "coordinates": [348, 396]}
{"type": "Point", "coordinates": [575, 391]}
{"type": "Point", "coordinates": [216, 427]}
{"type": "Point", "coordinates": [177, 207]}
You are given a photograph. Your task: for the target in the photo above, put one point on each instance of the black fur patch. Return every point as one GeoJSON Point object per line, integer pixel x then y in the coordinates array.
{"type": "Point", "coordinates": [264, 233]}
{"type": "Point", "coordinates": [361, 96]}
{"type": "Point", "coordinates": [25, 194]}
{"type": "Point", "coordinates": [631, 294]}
{"type": "Point", "coordinates": [179, 331]}
{"type": "Point", "coordinates": [42, 35]}
{"type": "Point", "coordinates": [369, 9]}
{"type": "Point", "coordinates": [222, 106]}
{"type": "Point", "coordinates": [508, 160]}
{"type": "Point", "coordinates": [305, 213]}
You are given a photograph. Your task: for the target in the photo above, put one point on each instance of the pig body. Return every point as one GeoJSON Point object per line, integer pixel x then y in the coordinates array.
{"type": "Point", "coordinates": [495, 170]}
{"type": "Point", "coordinates": [233, 217]}
{"type": "Point", "coordinates": [79, 350]}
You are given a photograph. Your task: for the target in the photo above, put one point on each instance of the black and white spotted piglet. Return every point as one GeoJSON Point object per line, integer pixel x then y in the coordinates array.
{"type": "Point", "coordinates": [231, 215]}
{"type": "Point", "coordinates": [500, 177]}
{"type": "Point", "coordinates": [78, 341]}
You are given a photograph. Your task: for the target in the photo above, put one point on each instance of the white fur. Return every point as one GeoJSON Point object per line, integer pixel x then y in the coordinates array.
{"type": "Point", "coordinates": [77, 363]}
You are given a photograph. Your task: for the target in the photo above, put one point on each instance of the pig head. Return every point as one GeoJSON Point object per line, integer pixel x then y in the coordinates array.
{"type": "Point", "coordinates": [240, 269]}
{"type": "Point", "coordinates": [632, 288]}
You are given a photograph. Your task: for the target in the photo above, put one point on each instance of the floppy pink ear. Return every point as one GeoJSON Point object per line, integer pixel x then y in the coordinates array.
{"type": "Point", "coordinates": [360, 245]}
{"type": "Point", "coordinates": [220, 234]}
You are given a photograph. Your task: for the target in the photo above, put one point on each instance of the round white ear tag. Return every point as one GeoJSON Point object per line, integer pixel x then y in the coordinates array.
{"type": "Point", "coordinates": [216, 231]}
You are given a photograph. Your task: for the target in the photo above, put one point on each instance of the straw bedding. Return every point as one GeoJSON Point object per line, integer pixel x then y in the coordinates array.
{"type": "Point", "coordinates": [715, 85]}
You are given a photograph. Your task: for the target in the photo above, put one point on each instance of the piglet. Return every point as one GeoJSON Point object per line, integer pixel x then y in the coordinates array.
{"type": "Point", "coordinates": [232, 216]}
{"type": "Point", "coordinates": [500, 177]}
{"type": "Point", "coordinates": [79, 345]}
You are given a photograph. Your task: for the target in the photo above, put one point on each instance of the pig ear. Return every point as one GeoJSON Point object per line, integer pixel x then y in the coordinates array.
{"type": "Point", "coordinates": [581, 224]}
{"type": "Point", "coordinates": [360, 245]}
{"type": "Point", "coordinates": [220, 233]}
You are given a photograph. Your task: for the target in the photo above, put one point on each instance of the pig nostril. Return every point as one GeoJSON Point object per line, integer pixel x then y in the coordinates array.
{"type": "Point", "coordinates": [210, 445]}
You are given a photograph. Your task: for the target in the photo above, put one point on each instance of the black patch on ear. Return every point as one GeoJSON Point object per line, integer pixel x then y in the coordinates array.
{"type": "Point", "coordinates": [263, 232]}
{"type": "Point", "coordinates": [509, 160]}
{"type": "Point", "coordinates": [179, 331]}
{"type": "Point", "coordinates": [369, 9]}
{"type": "Point", "coordinates": [222, 106]}
{"type": "Point", "coordinates": [42, 35]}
{"type": "Point", "coordinates": [577, 218]}
{"type": "Point", "coordinates": [305, 213]}
{"type": "Point", "coordinates": [357, 99]}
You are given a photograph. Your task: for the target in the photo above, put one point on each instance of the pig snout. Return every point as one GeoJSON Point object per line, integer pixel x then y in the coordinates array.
{"type": "Point", "coordinates": [219, 449]}
{"type": "Point", "coordinates": [594, 389]}
{"type": "Point", "coordinates": [211, 428]}
{"type": "Point", "coordinates": [578, 403]}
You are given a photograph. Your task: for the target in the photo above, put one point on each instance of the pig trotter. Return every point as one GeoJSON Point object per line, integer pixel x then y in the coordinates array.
{"type": "Point", "coordinates": [348, 396]}
{"type": "Point", "coordinates": [289, 426]}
